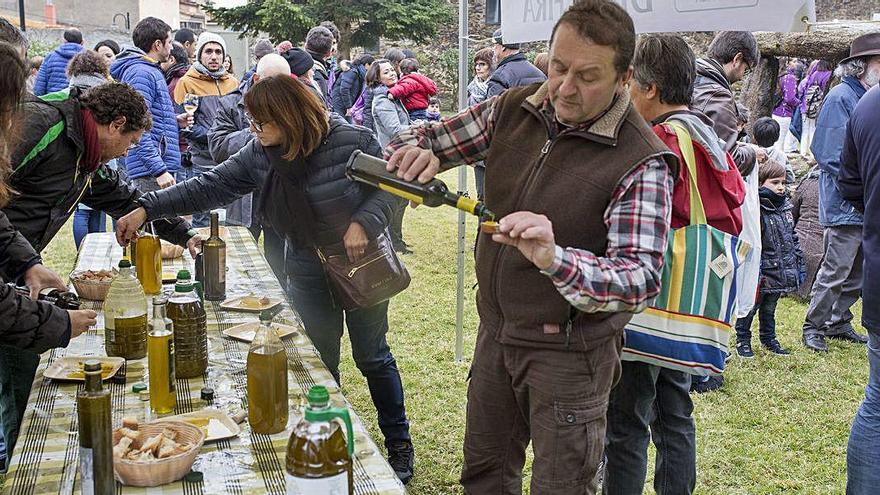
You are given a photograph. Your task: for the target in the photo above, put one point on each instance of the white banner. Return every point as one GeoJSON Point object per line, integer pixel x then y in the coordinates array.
{"type": "Point", "coordinates": [533, 20]}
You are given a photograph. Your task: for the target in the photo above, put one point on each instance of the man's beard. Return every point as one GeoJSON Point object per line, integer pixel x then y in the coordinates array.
{"type": "Point", "coordinates": [872, 78]}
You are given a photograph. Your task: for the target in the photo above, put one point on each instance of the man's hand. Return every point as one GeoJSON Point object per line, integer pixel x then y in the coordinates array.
{"type": "Point", "coordinates": [355, 241]}
{"type": "Point", "coordinates": [127, 226]}
{"type": "Point", "coordinates": [532, 234]}
{"type": "Point", "coordinates": [38, 277]}
{"type": "Point", "coordinates": [81, 320]}
{"type": "Point", "coordinates": [194, 244]}
{"type": "Point", "coordinates": [413, 162]}
{"type": "Point", "coordinates": [166, 180]}
{"type": "Point", "coordinates": [184, 120]}
{"type": "Point", "coordinates": [760, 154]}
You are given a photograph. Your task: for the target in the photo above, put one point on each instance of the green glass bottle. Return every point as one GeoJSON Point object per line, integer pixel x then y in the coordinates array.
{"type": "Point", "coordinates": [214, 259]}
{"type": "Point", "coordinates": [95, 434]}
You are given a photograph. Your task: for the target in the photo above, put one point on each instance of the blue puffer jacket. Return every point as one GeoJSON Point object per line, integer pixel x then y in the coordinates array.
{"type": "Point", "coordinates": [513, 72]}
{"type": "Point", "coordinates": [53, 73]}
{"type": "Point", "coordinates": [158, 151]}
{"type": "Point", "coordinates": [782, 263]}
{"type": "Point", "coordinates": [827, 147]}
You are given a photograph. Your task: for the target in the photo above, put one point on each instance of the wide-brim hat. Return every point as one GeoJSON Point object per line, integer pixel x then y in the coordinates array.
{"type": "Point", "coordinates": [498, 39]}
{"type": "Point", "coordinates": [867, 45]}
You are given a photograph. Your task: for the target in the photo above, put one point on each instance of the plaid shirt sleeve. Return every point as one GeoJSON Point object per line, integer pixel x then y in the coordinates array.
{"type": "Point", "coordinates": [627, 277]}
{"type": "Point", "coordinates": [464, 138]}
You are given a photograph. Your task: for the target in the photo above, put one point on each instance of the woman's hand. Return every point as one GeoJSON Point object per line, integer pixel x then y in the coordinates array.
{"type": "Point", "coordinates": [355, 241]}
{"type": "Point", "coordinates": [127, 226]}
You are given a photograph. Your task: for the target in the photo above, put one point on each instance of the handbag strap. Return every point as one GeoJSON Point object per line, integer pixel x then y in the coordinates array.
{"type": "Point", "coordinates": [686, 145]}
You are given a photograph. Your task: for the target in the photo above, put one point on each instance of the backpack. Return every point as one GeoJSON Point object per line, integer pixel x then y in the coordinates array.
{"type": "Point", "coordinates": [815, 97]}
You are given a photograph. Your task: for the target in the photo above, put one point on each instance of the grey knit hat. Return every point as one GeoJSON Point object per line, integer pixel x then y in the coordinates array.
{"type": "Point", "coordinates": [263, 47]}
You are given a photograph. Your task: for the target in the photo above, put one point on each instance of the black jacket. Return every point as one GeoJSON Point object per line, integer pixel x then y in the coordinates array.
{"type": "Point", "coordinates": [782, 263]}
{"type": "Point", "coordinates": [322, 74]}
{"type": "Point", "coordinates": [50, 183]}
{"type": "Point", "coordinates": [24, 323]}
{"type": "Point", "coordinates": [348, 88]}
{"type": "Point", "coordinates": [512, 72]}
{"type": "Point", "coordinates": [335, 200]}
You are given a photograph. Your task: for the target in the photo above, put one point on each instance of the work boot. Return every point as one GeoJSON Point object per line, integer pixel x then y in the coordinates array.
{"type": "Point", "coordinates": [402, 458]}
{"type": "Point", "coordinates": [851, 336]}
{"type": "Point", "coordinates": [815, 342]}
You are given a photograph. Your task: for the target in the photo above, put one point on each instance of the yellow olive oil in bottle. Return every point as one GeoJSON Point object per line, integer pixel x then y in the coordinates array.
{"type": "Point", "coordinates": [125, 316]}
{"type": "Point", "coordinates": [160, 347]}
{"type": "Point", "coordinates": [267, 380]}
{"type": "Point", "coordinates": [214, 259]}
{"type": "Point", "coordinates": [190, 328]}
{"type": "Point", "coordinates": [149, 262]}
{"type": "Point", "coordinates": [95, 434]}
{"type": "Point", "coordinates": [318, 458]}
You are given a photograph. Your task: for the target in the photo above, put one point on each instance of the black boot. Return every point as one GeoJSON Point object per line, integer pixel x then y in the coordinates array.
{"type": "Point", "coordinates": [402, 458]}
{"type": "Point", "coordinates": [815, 342]}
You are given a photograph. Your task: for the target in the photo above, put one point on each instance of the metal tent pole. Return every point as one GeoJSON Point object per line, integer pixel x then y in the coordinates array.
{"type": "Point", "coordinates": [462, 179]}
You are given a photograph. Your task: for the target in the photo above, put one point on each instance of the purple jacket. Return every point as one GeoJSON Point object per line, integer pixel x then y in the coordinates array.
{"type": "Point", "coordinates": [790, 101]}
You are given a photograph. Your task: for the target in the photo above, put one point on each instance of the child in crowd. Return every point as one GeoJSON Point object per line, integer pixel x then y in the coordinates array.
{"type": "Point", "coordinates": [433, 109]}
{"type": "Point", "coordinates": [766, 130]}
{"type": "Point", "coordinates": [782, 262]}
{"type": "Point", "coordinates": [414, 90]}
{"type": "Point", "coordinates": [743, 116]}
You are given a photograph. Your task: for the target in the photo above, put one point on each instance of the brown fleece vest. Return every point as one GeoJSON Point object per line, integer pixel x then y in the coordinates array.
{"type": "Point", "coordinates": [570, 179]}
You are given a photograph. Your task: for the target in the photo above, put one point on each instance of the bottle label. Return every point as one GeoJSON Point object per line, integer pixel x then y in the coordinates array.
{"type": "Point", "coordinates": [222, 266]}
{"type": "Point", "coordinates": [87, 471]}
{"type": "Point", "coordinates": [334, 485]}
{"type": "Point", "coordinates": [171, 372]}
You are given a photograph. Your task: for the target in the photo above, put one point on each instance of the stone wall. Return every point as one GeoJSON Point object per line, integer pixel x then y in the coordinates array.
{"type": "Point", "coordinates": [828, 10]}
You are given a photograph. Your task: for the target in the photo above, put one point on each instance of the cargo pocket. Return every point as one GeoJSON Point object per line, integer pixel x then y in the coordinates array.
{"type": "Point", "coordinates": [580, 439]}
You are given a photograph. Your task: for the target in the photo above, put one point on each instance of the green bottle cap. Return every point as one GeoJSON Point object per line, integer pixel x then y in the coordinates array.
{"type": "Point", "coordinates": [318, 396]}
{"type": "Point", "coordinates": [184, 282]}
{"type": "Point", "coordinates": [138, 387]}
{"type": "Point", "coordinates": [183, 275]}
{"type": "Point", "coordinates": [124, 263]}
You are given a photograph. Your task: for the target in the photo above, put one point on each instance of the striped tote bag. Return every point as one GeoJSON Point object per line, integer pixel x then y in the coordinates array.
{"type": "Point", "coordinates": [687, 327]}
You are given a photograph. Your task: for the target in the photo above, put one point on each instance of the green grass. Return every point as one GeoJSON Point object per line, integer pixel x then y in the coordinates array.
{"type": "Point", "coordinates": [779, 425]}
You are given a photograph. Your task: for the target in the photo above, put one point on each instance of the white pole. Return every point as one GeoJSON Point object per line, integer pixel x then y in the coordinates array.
{"type": "Point", "coordinates": [463, 64]}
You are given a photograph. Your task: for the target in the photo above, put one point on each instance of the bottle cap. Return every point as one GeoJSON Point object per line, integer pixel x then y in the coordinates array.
{"type": "Point", "coordinates": [184, 282]}
{"type": "Point", "coordinates": [159, 300]}
{"type": "Point", "coordinates": [144, 395]}
{"type": "Point", "coordinates": [207, 394]}
{"type": "Point", "coordinates": [318, 396]}
{"type": "Point", "coordinates": [92, 365]}
{"type": "Point", "coordinates": [194, 477]}
{"type": "Point", "coordinates": [183, 275]}
{"type": "Point", "coordinates": [138, 387]}
{"type": "Point", "coordinates": [124, 263]}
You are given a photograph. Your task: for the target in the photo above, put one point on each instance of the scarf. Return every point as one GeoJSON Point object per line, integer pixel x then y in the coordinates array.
{"type": "Point", "coordinates": [176, 70]}
{"type": "Point", "coordinates": [91, 160]}
{"type": "Point", "coordinates": [283, 201]}
{"type": "Point", "coordinates": [218, 74]}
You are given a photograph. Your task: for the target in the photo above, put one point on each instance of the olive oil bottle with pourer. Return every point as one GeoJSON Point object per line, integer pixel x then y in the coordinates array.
{"type": "Point", "coordinates": [371, 170]}
{"type": "Point", "coordinates": [95, 434]}
{"type": "Point", "coordinates": [267, 380]}
{"type": "Point", "coordinates": [148, 261]}
{"type": "Point", "coordinates": [160, 360]}
{"type": "Point", "coordinates": [319, 460]}
{"type": "Point", "coordinates": [214, 259]}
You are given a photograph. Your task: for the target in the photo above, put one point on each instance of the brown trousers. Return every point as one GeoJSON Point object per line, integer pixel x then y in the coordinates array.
{"type": "Point", "coordinates": [556, 399]}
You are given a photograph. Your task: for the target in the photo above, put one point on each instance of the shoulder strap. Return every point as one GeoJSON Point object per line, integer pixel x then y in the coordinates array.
{"type": "Point", "coordinates": [686, 145]}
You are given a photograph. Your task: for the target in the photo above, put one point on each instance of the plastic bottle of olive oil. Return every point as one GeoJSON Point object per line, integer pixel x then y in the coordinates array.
{"type": "Point", "coordinates": [318, 457]}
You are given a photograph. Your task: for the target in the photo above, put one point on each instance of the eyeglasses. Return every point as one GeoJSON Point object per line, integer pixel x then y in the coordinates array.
{"type": "Point", "coordinates": [258, 126]}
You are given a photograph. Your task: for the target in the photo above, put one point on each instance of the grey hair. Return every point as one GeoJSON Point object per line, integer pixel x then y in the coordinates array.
{"type": "Point", "coordinates": [853, 68]}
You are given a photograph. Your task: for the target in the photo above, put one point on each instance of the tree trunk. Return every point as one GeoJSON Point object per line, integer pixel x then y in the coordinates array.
{"type": "Point", "coordinates": [344, 47]}
{"type": "Point", "coordinates": [825, 42]}
{"type": "Point", "coordinates": [759, 90]}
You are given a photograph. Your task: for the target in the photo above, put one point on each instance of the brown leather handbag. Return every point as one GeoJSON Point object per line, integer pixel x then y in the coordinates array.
{"type": "Point", "coordinates": [377, 277]}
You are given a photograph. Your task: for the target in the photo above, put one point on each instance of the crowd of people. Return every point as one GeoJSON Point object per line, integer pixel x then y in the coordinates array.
{"type": "Point", "coordinates": [638, 129]}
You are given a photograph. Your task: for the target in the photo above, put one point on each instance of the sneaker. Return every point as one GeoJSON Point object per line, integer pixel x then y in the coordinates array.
{"type": "Point", "coordinates": [701, 385]}
{"type": "Point", "coordinates": [776, 348]}
{"type": "Point", "coordinates": [402, 458]}
{"type": "Point", "coordinates": [744, 350]}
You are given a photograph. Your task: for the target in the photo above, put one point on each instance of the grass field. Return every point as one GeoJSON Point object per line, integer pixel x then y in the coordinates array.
{"type": "Point", "coordinates": [779, 426]}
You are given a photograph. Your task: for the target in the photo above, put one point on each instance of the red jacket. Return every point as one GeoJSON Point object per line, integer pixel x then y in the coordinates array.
{"type": "Point", "coordinates": [723, 192]}
{"type": "Point", "coordinates": [414, 90]}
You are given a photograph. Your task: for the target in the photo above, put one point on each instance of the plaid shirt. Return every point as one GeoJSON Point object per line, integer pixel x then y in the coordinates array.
{"type": "Point", "coordinates": [627, 277]}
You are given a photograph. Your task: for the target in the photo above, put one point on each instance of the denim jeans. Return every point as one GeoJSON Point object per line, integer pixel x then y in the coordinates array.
{"type": "Point", "coordinates": [87, 221]}
{"type": "Point", "coordinates": [202, 218]}
{"type": "Point", "coordinates": [312, 298]}
{"type": "Point", "coordinates": [648, 403]}
{"type": "Point", "coordinates": [766, 310]}
{"type": "Point", "coordinates": [863, 451]}
{"type": "Point", "coordinates": [17, 370]}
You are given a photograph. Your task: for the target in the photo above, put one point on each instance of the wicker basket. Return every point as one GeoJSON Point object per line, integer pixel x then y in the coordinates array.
{"type": "Point", "coordinates": [161, 471]}
{"type": "Point", "coordinates": [92, 290]}
{"type": "Point", "coordinates": [171, 251]}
